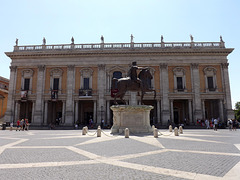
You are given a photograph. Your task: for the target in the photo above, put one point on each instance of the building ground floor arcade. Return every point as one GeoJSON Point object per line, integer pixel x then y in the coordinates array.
{"type": "Point", "coordinates": [179, 110]}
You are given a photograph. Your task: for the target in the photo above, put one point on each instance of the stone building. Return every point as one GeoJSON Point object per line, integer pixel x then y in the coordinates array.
{"type": "Point", "coordinates": [3, 96]}
{"type": "Point", "coordinates": [71, 83]}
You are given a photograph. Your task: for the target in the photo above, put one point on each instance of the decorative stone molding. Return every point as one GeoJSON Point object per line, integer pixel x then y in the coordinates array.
{"type": "Point", "coordinates": [209, 71]}
{"type": "Point", "coordinates": [101, 66]}
{"type": "Point", "coordinates": [86, 73]}
{"type": "Point", "coordinates": [163, 65]}
{"type": "Point", "coordinates": [27, 73]}
{"type": "Point", "coordinates": [194, 65]}
{"type": "Point", "coordinates": [41, 67]}
{"type": "Point", "coordinates": [13, 68]}
{"type": "Point", "coordinates": [179, 72]}
{"type": "Point", "coordinates": [225, 65]}
{"type": "Point", "coordinates": [71, 67]}
{"type": "Point", "coordinates": [56, 72]}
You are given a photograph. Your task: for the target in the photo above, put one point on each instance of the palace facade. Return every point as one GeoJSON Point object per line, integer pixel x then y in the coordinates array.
{"type": "Point", "coordinates": [3, 96]}
{"type": "Point", "coordinates": [67, 84]}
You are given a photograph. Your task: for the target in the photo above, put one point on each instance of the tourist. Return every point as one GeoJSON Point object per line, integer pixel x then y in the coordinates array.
{"type": "Point", "coordinates": [215, 124]}
{"type": "Point", "coordinates": [11, 126]}
{"type": "Point", "coordinates": [207, 123]}
{"type": "Point", "coordinates": [18, 125]}
{"type": "Point", "coordinates": [26, 125]}
{"type": "Point", "coordinates": [102, 123]}
{"type": "Point", "coordinates": [229, 123]}
{"type": "Point", "coordinates": [235, 124]}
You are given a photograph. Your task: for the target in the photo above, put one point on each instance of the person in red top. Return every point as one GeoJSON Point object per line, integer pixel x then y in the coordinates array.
{"type": "Point", "coordinates": [18, 125]}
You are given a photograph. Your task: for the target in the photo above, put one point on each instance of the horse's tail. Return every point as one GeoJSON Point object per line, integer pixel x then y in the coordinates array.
{"type": "Point", "coordinates": [114, 84]}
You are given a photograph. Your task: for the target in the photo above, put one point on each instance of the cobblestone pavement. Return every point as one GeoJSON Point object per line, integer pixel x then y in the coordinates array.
{"type": "Point", "coordinates": [59, 154]}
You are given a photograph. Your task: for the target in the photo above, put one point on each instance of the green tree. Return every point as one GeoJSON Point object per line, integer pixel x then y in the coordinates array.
{"type": "Point", "coordinates": [237, 111]}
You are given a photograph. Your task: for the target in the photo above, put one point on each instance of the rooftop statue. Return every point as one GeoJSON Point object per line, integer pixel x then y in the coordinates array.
{"type": "Point", "coordinates": [72, 40]}
{"type": "Point", "coordinates": [44, 41]}
{"type": "Point", "coordinates": [16, 41]}
{"type": "Point", "coordinates": [102, 39]}
{"type": "Point", "coordinates": [132, 38]}
{"type": "Point", "coordinates": [133, 82]}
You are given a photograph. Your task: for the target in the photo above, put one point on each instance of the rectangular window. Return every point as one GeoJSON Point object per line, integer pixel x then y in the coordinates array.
{"type": "Point", "coordinates": [179, 83]}
{"type": "Point", "coordinates": [26, 84]}
{"type": "Point", "coordinates": [86, 83]}
{"type": "Point", "coordinates": [210, 84]}
{"type": "Point", "coordinates": [55, 83]}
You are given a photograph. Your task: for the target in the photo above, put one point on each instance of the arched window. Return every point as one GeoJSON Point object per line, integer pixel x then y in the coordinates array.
{"type": "Point", "coordinates": [117, 74]}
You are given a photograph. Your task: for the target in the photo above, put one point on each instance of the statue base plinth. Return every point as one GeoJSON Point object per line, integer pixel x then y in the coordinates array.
{"type": "Point", "coordinates": [136, 118]}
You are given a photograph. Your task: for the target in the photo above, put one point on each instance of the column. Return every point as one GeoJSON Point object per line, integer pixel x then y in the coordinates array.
{"type": "Point", "coordinates": [158, 112]}
{"type": "Point", "coordinates": [9, 114]}
{"type": "Point", "coordinates": [95, 112]}
{"type": "Point", "coordinates": [164, 86]}
{"type": "Point", "coordinates": [17, 107]}
{"type": "Point", "coordinates": [108, 113]}
{"type": "Point", "coordinates": [46, 113]}
{"type": "Point", "coordinates": [203, 109]}
{"type": "Point", "coordinates": [190, 111]}
{"type": "Point", "coordinates": [172, 116]}
{"type": "Point", "coordinates": [196, 90]}
{"type": "Point", "coordinates": [38, 115]}
{"type": "Point", "coordinates": [63, 111]}
{"type": "Point", "coordinates": [101, 91]}
{"type": "Point", "coordinates": [33, 111]}
{"type": "Point", "coordinates": [76, 111]}
{"type": "Point", "coordinates": [69, 102]}
{"type": "Point", "coordinates": [226, 83]}
{"type": "Point", "coordinates": [221, 109]}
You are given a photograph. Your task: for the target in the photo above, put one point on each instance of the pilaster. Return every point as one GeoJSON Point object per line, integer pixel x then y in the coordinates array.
{"type": "Point", "coordinates": [9, 114]}
{"type": "Point", "coordinates": [38, 115]}
{"type": "Point", "coordinates": [101, 91]}
{"type": "Point", "coordinates": [196, 90]}
{"type": "Point", "coordinates": [164, 84]}
{"type": "Point", "coordinates": [69, 120]}
{"type": "Point", "coordinates": [228, 102]}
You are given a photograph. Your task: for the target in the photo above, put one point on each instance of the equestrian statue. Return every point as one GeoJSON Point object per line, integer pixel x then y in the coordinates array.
{"type": "Point", "coordinates": [133, 82]}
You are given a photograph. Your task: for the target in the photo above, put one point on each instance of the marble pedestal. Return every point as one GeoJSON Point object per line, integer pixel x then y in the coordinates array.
{"type": "Point", "coordinates": [134, 117]}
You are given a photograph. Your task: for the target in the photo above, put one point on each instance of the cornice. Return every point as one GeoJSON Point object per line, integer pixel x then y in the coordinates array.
{"type": "Point", "coordinates": [135, 52]}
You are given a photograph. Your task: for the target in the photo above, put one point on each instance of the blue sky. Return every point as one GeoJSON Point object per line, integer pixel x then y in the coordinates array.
{"type": "Point", "coordinates": [147, 20]}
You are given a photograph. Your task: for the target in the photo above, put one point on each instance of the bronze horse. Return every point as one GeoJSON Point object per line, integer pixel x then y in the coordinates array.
{"type": "Point", "coordinates": [126, 84]}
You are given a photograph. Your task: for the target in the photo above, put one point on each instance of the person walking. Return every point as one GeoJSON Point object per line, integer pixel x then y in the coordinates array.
{"type": "Point", "coordinates": [207, 123]}
{"type": "Point", "coordinates": [102, 123]}
{"type": "Point", "coordinates": [215, 124]}
{"type": "Point", "coordinates": [18, 125]}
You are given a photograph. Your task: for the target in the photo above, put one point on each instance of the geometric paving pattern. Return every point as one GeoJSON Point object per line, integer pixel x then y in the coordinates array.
{"type": "Point", "coordinates": [58, 154]}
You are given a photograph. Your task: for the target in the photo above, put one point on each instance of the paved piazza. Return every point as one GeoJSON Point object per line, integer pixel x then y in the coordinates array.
{"type": "Point", "coordinates": [67, 154]}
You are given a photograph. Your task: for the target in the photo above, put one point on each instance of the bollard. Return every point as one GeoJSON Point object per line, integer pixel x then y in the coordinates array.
{"type": "Point", "coordinates": [180, 130]}
{"type": "Point", "coordinates": [176, 131]}
{"type": "Point", "coordinates": [86, 128]}
{"type": "Point", "coordinates": [153, 127]}
{"type": "Point", "coordinates": [155, 132]}
{"type": "Point", "coordinates": [84, 132]}
{"type": "Point", "coordinates": [99, 126]}
{"type": "Point", "coordinates": [99, 132]}
{"type": "Point", "coordinates": [170, 128]}
{"type": "Point", "coordinates": [126, 133]}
